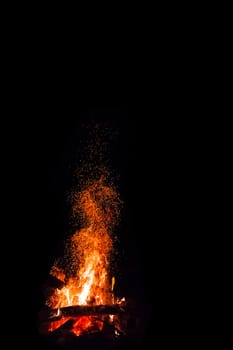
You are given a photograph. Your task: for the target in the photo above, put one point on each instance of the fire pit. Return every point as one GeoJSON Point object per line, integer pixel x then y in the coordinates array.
{"type": "Point", "coordinates": [81, 308]}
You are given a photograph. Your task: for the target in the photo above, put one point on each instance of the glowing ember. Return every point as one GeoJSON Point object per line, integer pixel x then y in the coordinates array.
{"type": "Point", "coordinates": [98, 204]}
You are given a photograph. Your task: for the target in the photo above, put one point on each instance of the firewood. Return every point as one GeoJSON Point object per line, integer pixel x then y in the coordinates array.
{"type": "Point", "coordinates": [81, 310]}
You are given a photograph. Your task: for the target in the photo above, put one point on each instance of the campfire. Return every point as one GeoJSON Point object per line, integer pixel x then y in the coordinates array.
{"type": "Point", "coordinates": [80, 300]}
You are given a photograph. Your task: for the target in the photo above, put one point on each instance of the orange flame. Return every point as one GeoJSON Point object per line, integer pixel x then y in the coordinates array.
{"type": "Point", "coordinates": [98, 205]}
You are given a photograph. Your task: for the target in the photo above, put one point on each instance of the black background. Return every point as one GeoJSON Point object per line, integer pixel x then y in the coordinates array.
{"type": "Point", "coordinates": [164, 153]}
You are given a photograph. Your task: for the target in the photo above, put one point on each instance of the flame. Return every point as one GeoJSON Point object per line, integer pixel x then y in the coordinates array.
{"type": "Point", "coordinates": [98, 205]}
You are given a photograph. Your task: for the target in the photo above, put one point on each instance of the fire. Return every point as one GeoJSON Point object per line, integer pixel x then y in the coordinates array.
{"type": "Point", "coordinates": [98, 206]}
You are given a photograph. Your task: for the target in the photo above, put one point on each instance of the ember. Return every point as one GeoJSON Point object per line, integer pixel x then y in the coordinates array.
{"type": "Point", "coordinates": [85, 303]}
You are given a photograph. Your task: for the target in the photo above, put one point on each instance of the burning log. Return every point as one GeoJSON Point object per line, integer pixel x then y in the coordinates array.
{"type": "Point", "coordinates": [80, 310]}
